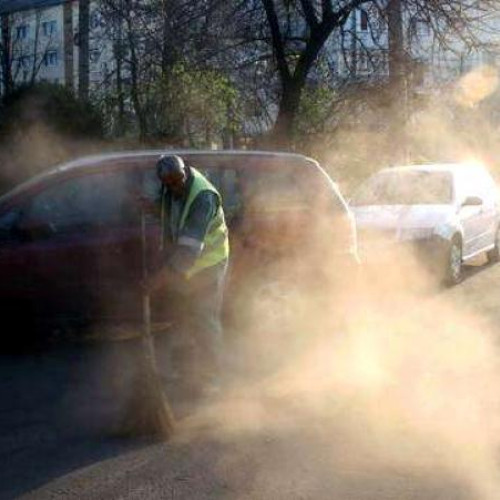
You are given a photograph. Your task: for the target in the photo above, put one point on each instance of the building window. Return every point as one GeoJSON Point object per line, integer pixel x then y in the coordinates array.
{"type": "Point", "coordinates": [49, 28]}
{"type": "Point", "coordinates": [363, 61]}
{"type": "Point", "coordinates": [364, 20]}
{"type": "Point", "coordinates": [50, 58]}
{"type": "Point", "coordinates": [22, 31]}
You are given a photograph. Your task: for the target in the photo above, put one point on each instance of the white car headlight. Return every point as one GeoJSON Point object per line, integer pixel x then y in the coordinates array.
{"type": "Point", "coordinates": [415, 233]}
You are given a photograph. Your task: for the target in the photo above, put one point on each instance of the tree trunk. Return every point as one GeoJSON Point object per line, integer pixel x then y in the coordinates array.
{"type": "Point", "coordinates": [228, 133]}
{"type": "Point", "coordinates": [120, 129]}
{"type": "Point", "coordinates": [283, 131]}
{"type": "Point", "coordinates": [118, 53]}
{"type": "Point", "coordinates": [396, 49]}
{"type": "Point", "coordinates": [7, 81]}
{"type": "Point", "coordinates": [68, 43]}
{"type": "Point", "coordinates": [168, 52]}
{"type": "Point", "coordinates": [83, 49]}
{"type": "Point", "coordinates": [293, 82]}
{"type": "Point", "coordinates": [34, 55]}
{"type": "Point", "coordinates": [135, 82]}
{"type": "Point", "coordinates": [397, 81]}
{"type": "Point", "coordinates": [353, 70]}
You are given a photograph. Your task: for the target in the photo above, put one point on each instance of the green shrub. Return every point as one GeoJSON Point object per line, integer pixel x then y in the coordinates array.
{"type": "Point", "coordinates": [54, 106]}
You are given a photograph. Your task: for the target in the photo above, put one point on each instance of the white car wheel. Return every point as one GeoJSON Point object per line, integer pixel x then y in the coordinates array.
{"type": "Point", "coordinates": [454, 263]}
{"type": "Point", "coordinates": [494, 254]}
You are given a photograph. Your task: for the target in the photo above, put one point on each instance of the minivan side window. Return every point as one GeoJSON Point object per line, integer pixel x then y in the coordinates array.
{"type": "Point", "coordinates": [264, 189]}
{"type": "Point", "coordinates": [223, 178]}
{"type": "Point", "coordinates": [85, 203]}
{"type": "Point", "coordinates": [301, 188]}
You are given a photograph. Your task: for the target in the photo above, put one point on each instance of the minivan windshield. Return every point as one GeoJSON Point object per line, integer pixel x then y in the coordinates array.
{"type": "Point", "coordinates": [407, 187]}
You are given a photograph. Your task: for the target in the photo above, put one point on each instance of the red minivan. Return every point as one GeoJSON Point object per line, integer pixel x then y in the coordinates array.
{"type": "Point", "coordinates": [70, 254]}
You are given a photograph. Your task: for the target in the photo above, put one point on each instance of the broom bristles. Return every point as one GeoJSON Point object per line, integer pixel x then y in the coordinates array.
{"type": "Point", "coordinates": [148, 412]}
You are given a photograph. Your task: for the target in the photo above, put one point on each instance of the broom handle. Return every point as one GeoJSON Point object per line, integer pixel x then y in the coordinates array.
{"type": "Point", "coordinates": [147, 337]}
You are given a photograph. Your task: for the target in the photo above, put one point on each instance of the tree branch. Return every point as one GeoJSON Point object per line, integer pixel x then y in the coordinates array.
{"type": "Point", "coordinates": [278, 47]}
{"type": "Point", "coordinates": [309, 13]}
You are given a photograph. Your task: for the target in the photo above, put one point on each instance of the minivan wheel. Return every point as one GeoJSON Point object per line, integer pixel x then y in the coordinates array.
{"type": "Point", "coordinates": [493, 255]}
{"type": "Point", "coordinates": [453, 270]}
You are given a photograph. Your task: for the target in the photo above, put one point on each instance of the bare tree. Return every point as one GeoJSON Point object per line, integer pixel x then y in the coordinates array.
{"type": "Point", "coordinates": [68, 43]}
{"type": "Point", "coordinates": [295, 32]}
{"type": "Point", "coordinates": [152, 41]}
{"type": "Point", "coordinates": [271, 50]}
{"type": "Point", "coordinates": [6, 55]}
{"type": "Point", "coordinates": [83, 48]}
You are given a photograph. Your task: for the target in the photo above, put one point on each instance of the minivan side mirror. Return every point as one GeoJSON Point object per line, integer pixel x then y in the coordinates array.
{"type": "Point", "coordinates": [472, 201]}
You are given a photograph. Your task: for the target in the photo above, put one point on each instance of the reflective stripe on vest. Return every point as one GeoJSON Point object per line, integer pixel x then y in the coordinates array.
{"type": "Point", "coordinates": [216, 241]}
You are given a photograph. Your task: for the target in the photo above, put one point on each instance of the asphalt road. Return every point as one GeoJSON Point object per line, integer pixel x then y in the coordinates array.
{"type": "Point", "coordinates": [60, 409]}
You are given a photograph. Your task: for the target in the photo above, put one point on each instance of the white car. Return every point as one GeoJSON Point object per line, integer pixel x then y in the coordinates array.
{"type": "Point", "coordinates": [450, 211]}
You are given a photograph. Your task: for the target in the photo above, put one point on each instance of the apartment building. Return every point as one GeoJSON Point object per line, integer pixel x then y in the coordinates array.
{"type": "Point", "coordinates": [44, 46]}
{"type": "Point", "coordinates": [43, 41]}
{"type": "Point", "coordinates": [361, 52]}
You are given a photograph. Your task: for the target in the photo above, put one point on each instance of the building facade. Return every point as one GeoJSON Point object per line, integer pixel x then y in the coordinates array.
{"type": "Point", "coordinates": [433, 60]}
{"type": "Point", "coordinates": [40, 42]}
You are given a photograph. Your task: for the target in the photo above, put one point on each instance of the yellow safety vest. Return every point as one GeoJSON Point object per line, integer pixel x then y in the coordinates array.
{"type": "Point", "coordinates": [216, 241]}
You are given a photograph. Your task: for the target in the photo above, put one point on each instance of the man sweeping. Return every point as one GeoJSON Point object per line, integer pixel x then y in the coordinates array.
{"type": "Point", "coordinates": [195, 248]}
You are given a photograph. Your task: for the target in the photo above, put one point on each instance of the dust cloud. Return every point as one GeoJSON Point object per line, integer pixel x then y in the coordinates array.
{"type": "Point", "coordinates": [371, 385]}
{"type": "Point", "coordinates": [476, 85]}
{"type": "Point", "coordinates": [30, 143]}
{"type": "Point", "coordinates": [37, 147]}
{"type": "Point", "coordinates": [390, 377]}
{"type": "Point", "coordinates": [375, 384]}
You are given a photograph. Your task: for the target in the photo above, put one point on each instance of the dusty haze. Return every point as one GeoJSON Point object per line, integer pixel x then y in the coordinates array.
{"type": "Point", "coordinates": [389, 375]}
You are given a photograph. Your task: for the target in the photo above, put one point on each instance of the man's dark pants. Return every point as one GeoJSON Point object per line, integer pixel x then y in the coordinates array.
{"type": "Point", "coordinates": [198, 303]}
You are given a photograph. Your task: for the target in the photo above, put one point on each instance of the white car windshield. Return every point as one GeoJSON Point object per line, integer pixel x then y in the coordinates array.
{"type": "Point", "coordinates": [405, 188]}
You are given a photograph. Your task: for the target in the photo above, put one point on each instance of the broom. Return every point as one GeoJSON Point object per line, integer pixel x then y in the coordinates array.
{"type": "Point", "coordinates": [148, 412]}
